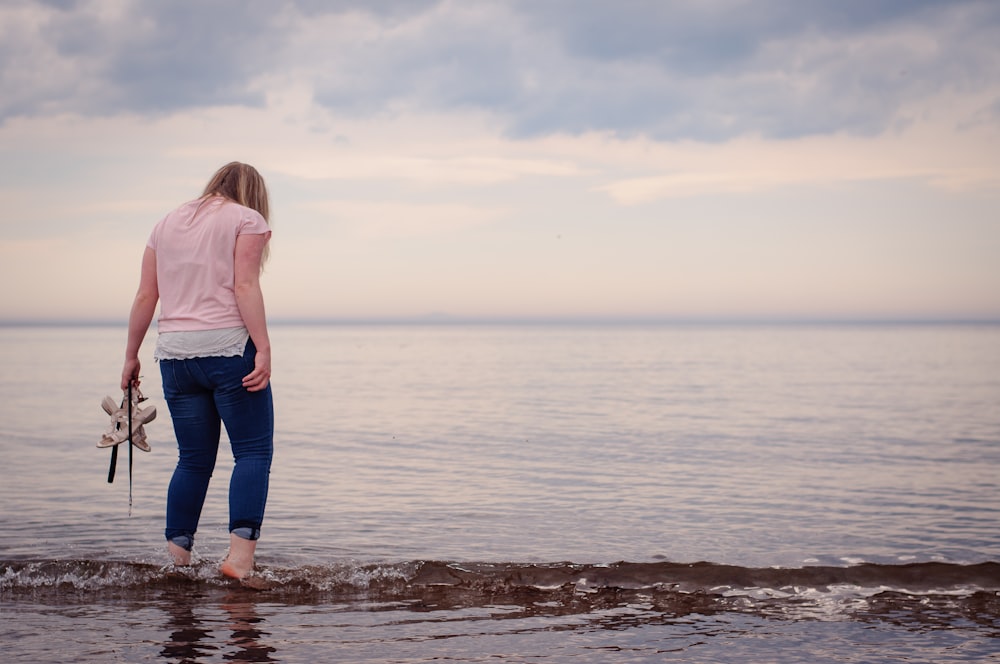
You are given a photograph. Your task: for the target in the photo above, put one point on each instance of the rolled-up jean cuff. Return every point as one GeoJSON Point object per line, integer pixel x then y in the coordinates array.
{"type": "Point", "coordinates": [186, 542]}
{"type": "Point", "coordinates": [246, 533]}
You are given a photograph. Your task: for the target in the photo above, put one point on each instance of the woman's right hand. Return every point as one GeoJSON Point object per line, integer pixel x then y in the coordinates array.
{"type": "Point", "coordinates": [258, 379]}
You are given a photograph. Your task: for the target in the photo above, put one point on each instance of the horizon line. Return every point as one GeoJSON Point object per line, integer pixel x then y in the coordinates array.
{"type": "Point", "coordinates": [443, 320]}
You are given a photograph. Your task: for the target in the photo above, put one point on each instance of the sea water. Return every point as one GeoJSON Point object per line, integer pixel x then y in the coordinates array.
{"type": "Point", "coordinates": [553, 493]}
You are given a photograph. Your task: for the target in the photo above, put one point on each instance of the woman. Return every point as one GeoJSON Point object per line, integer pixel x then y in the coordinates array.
{"type": "Point", "coordinates": [203, 263]}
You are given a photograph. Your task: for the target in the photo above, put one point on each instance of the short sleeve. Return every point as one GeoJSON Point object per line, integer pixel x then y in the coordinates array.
{"type": "Point", "coordinates": [154, 235]}
{"type": "Point", "coordinates": [252, 223]}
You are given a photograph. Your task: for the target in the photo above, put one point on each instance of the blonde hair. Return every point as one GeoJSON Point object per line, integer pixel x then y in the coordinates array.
{"type": "Point", "coordinates": [242, 184]}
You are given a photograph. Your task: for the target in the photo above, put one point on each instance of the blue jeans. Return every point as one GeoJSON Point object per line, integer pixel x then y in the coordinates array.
{"type": "Point", "coordinates": [203, 393]}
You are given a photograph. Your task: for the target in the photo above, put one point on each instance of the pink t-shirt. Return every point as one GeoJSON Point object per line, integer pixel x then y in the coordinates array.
{"type": "Point", "coordinates": [195, 249]}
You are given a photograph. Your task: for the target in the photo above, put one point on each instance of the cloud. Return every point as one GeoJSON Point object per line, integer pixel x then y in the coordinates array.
{"type": "Point", "coordinates": [706, 71]}
{"type": "Point", "coordinates": [390, 219]}
{"type": "Point", "coordinates": [930, 153]}
{"type": "Point", "coordinates": [714, 71]}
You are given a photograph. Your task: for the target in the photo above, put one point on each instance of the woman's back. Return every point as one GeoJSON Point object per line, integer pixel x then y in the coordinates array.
{"type": "Point", "coordinates": [194, 247]}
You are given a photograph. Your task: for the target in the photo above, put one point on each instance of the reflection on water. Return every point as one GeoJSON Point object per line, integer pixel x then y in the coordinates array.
{"type": "Point", "coordinates": [194, 620]}
{"type": "Point", "coordinates": [248, 635]}
{"type": "Point", "coordinates": [566, 625]}
{"type": "Point", "coordinates": [189, 638]}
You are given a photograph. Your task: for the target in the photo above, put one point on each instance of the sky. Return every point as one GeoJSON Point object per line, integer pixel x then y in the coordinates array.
{"type": "Point", "coordinates": [517, 159]}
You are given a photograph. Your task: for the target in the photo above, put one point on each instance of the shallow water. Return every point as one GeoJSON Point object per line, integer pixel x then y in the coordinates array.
{"type": "Point", "coordinates": [411, 457]}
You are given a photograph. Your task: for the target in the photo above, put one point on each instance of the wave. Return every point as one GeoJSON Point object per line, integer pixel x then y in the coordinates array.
{"type": "Point", "coordinates": [411, 580]}
{"type": "Point", "coordinates": [919, 595]}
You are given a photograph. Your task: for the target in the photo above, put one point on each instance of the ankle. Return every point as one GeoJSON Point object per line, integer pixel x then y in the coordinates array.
{"type": "Point", "coordinates": [180, 555]}
{"type": "Point", "coordinates": [240, 560]}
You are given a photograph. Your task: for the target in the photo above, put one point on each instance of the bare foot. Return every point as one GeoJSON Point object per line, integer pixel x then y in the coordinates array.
{"type": "Point", "coordinates": [232, 571]}
{"type": "Point", "coordinates": [239, 561]}
{"type": "Point", "coordinates": [180, 555]}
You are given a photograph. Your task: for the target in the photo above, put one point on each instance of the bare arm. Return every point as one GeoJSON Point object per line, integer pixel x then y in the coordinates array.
{"type": "Point", "coordinates": [141, 316]}
{"type": "Point", "coordinates": [250, 300]}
